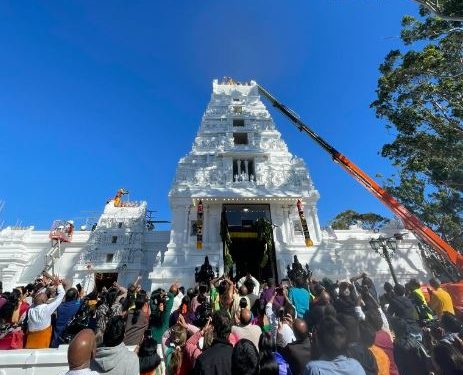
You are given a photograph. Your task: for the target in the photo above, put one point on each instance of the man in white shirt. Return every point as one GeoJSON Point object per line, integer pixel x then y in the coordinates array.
{"type": "Point", "coordinates": [246, 330]}
{"type": "Point", "coordinates": [177, 299]}
{"type": "Point", "coordinates": [253, 279]}
{"type": "Point", "coordinates": [39, 318]}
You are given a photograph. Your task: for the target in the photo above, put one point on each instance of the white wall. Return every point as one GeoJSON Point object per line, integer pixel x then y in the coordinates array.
{"type": "Point", "coordinates": [33, 361]}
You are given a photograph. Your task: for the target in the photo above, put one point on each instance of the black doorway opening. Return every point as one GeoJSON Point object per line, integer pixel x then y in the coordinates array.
{"type": "Point", "coordinates": [246, 249]}
{"type": "Point", "coordinates": [105, 280]}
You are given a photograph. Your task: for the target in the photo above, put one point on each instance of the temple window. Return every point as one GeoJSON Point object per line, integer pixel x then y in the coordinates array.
{"type": "Point", "coordinates": [114, 239]}
{"type": "Point", "coordinates": [109, 258]}
{"type": "Point", "coordinates": [119, 225]}
{"type": "Point", "coordinates": [238, 122]}
{"type": "Point", "coordinates": [243, 170]}
{"type": "Point", "coordinates": [240, 138]}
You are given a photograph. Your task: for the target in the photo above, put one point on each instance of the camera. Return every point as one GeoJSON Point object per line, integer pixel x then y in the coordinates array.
{"type": "Point", "coordinates": [158, 296]}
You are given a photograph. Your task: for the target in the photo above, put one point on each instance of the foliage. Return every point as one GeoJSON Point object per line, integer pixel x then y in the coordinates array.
{"type": "Point", "coordinates": [420, 94]}
{"type": "Point", "coordinates": [227, 260]}
{"type": "Point", "coordinates": [369, 221]}
{"type": "Point", "coordinates": [226, 240]}
{"type": "Point", "coordinates": [445, 9]}
{"type": "Point", "coordinates": [265, 235]}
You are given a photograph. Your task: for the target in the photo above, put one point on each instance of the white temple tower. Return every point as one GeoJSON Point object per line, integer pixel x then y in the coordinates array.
{"type": "Point", "coordinates": [238, 169]}
{"type": "Point", "coordinates": [238, 161]}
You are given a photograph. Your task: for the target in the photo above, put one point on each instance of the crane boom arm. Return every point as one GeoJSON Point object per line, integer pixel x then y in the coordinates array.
{"type": "Point", "coordinates": [410, 221]}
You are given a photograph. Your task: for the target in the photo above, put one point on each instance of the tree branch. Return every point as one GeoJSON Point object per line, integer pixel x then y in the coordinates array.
{"type": "Point", "coordinates": [430, 6]}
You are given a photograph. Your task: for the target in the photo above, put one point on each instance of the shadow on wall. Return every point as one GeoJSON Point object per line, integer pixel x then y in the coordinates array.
{"type": "Point", "coordinates": [341, 261]}
{"type": "Point", "coordinates": [37, 264]}
{"type": "Point", "coordinates": [406, 263]}
{"type": "Point", "coordinates": [322, 263]}
{"type": "Point", "coordinates": [34, 267]}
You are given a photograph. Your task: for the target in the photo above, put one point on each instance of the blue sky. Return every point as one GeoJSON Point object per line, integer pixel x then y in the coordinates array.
{"type": "Point", "coordinates": [99, 95]}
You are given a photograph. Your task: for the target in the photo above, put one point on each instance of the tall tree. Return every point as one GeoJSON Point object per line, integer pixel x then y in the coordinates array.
{"type": "Point", "coordinates": [420, 94]}
{"type": "Point", "coordinates": [369, 221]}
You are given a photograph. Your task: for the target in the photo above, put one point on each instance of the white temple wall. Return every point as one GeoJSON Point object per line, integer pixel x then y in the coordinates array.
{"type": "Point", "coordinates": [178, 261]}
{"type": "Point", "coordinates": [23, 253]}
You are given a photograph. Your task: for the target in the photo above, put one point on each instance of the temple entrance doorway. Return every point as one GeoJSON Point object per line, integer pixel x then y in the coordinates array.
{"type": "Point", "coordinates": [246, 249]}
{"type": "Point", "coordinates": [105, 280]}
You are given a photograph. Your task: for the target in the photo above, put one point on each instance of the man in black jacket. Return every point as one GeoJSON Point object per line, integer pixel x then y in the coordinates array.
{"type": "Point", "coordinates": [217, 359]}
{"type": "Point", "coordinates": [402, 307]}
{"type": "Point", "coordinates": [298, 353]}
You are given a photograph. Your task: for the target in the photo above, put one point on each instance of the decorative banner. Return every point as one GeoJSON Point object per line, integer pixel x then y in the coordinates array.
{"type": "Point", "coordinates": [305, 229]}
{"type": "Point", "coordinates": [199, 225]}
{"type": "Point", "coordinates": [226, 241]}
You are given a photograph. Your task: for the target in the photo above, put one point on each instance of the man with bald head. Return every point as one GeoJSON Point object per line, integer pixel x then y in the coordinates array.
{"type": "Point", "coordinates": [39, 318]}
{"type": "Point", "coordinates": [81, 351]}
{"type": "Point", "coordinates": [246, 330]}
{"type": "Point", "coordinates": [298, 353]}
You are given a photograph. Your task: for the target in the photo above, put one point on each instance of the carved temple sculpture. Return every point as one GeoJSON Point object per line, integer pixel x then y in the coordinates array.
{"type": "Point", "coordinates": [297, 271]}
{"type": "Point", "coordinates": [205, 274]}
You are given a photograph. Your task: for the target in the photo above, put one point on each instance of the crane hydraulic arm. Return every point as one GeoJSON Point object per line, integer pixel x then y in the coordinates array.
{"type": "Point", "coordinates": [410, 221]}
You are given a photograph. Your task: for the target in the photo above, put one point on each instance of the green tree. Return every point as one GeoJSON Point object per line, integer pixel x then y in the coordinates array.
{"type": "Point", "coordinates": [369, 221]}
{"type": "Point", "coordinates": [450, 10]}
{"type": "Point", "coordinates": [420, 94]}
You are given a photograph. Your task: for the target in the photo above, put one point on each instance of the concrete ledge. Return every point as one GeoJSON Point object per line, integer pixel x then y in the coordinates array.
{"type": "Point", "coordinates": [35, 361]}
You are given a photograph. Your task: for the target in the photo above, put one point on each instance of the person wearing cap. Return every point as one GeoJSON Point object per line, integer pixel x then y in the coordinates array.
{"type": "Point", "coordinates": [39, 318]}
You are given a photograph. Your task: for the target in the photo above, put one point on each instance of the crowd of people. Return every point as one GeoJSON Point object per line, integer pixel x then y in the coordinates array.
{"type": "Point", "coordinates": [226, 326]}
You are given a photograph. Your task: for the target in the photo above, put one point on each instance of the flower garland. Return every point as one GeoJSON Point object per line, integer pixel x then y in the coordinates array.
{"type": "Point", "coordinates": [305, 229]}
{"type": "Point", "coordinates": [199, 225]}
{"type": "Point", "coordinates": [265, 234]}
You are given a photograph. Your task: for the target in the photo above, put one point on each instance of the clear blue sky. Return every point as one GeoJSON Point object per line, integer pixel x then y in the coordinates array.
{"type": "Point", "coordinates": [97, 95]}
